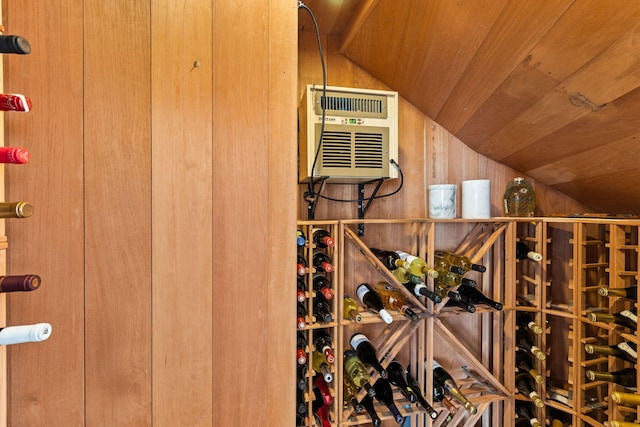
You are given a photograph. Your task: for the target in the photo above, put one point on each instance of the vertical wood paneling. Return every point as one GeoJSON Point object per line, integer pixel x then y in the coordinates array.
{"type": "Point", "coordinates": [282, 164]}
{"type": "Point", "coordinates": [181, 74]}
{"type": "Point", "coordinates": [47, 379]}
{"type": "Point", "coordinates": [117, 213]}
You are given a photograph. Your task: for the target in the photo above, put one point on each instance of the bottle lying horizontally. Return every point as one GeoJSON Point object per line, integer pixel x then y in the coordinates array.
{"type": "Point", "coordinates": [524, 252]}
{"type": "Point", "coordinates": [525, 385]}
{"type": "Point", "coordinates": [16, 210]}
{"type": "Point", "coordinates": [626, 377]}
{"type": "Point", "coordinates": [524, 362]}
{"type": "Point", "coordinates": [350, 309]}
{"type": "Point", "coordinates": [322, 238]}
{"type": "Point", "coordinates": [474, 296]}
{"type": "Point", "coordinates": [393, 299]}
{"type": "Point", "coordinates": [390, 259]}
{"type": "Point", "coordinates": [630, 293]}
{"type": "Point", "coordinates": [322, 262]}
{"type": "Point", "coordinates": [417, 266]}
{"type": "Point", "coordinates": [526, 411]}
{"type": "Point", "coordinates": [25, 333]}
{"type": "Point", "coordinates": [525, 340]}
{"type": "Point", "coordinates": [625, 399]}
{"type": "Point", "coordinates": [321, 366]}
{"type": "Point", "coordinates": [461, 261]}
{"type": "Point", "coordinates": [421, 290]}
{"type": "Point", "coordinates": [626, 318]}
{"type": "Point", "coordinates": [623, 350]}
{"type": "Point", "coordinates": [370, 299]}
{"type": "Point", "coordinates": [524, 319]}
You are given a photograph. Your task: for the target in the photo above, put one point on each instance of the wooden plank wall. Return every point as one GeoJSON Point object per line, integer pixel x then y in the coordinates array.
{"type": "Point", "coordinates": [163, 174]}
{"type": "Point", "coordinates": [428, 153]}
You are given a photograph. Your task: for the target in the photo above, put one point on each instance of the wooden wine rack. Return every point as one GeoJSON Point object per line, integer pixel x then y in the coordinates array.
{"type": "Point", "coordinates": [579, 256]}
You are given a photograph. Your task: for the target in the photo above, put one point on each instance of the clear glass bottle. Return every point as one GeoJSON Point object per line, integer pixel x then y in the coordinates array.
{"type": "Point", "coordinates": [519, 198]}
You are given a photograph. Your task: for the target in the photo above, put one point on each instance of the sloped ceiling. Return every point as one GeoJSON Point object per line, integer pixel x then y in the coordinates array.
{"type": "Point", "coordinates": [549, 88]}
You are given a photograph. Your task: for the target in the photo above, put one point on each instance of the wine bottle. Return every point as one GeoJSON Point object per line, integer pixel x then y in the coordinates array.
{"type": "Point", "coordinates": [25, 333]}
{"type": "Point", "coordinates": [625, 377]}
{"type": "Point", "coordinates": [301, 319]}
{"type": "Point", "coordinates": [450, 280]}
{"type": "Point", "coordinates": [301, 349]}
{"type": "Point", "coordinates": [367, 403]}
{"type": "Point", "coordinates": [367, 353]}
{"type": "Point", "coordinates": [301, 292]}
{"type": "Point", "coordinates": [404, 276]}
{"type": "Point", "coordinates": [356, 371]}
{"type": "Point", "coordinates": [461, 261]}
{"type": "Point", "coordinates": [616, 423]}
{"type": "Point", "coordinates": [301, 404]}
{"type": "Point", "coordinates": [302, 266]}
{"type": "Point", "coordinates": [322, 262]}
{"type": "Point", "coordinates": [559, 418]}
{"type": "Point", "coordinates": [415, 388]}
{"type": "Point", "coordinates": [25, 283]}
{"type": "Point", "coordinates": [442, 378]}
{"type": "Point", "coordinates": [393, 299]}
{"type": "Point", "coordinates": [321, 366]}
{"type": "Point", "coordinates": [474, 296]}
{"type": "Point", "coordinates": [14, 102]}
{"type": "Point", "coordinates": [439, 396]}
{"type": "Point", "coordinates": [461, 304]}
{"type": "Point", "coordinates": [626, 318]}
{"type": "Point", "coordinates": [444, 292]}
{"type": "Point", "coordinates": [372, 301]}
{"type": "Point", "coordinates": [322, 342]}
{"type": "Point", "coordinates": [524, 362]}
{"type": "Point", "coordinates": [301, 239]}
{"type": "Point", "coordinates": [14, 44]}
{"type": "Point", "coordinates": [525, 385]}
{"type": "Point", "coordinates": [630, 292]}
{"type": "Point", "coordinates": [525, 320]}
{"type": "Point", "coordinates": [398, 377]}
{"type": "Point", "coordinates": [444, 267]}
{"type": "Point", "coordinates": [320, 409]}
{"type": "Point", "coordinates": [417, 266]}
{"type": "Point", "coordinates": [384, 395]}
{"type": "Point", "coordinates": [390, 259]}
{"type": "Point", "coordinates": [322, 285]}
{"type": "Point", "coordinates": [325, 393]}
{"type": "Point", "coordinates": [525, 341]}
{"type": "Point", "coordinates": [350, 394]}
{"type": "Point", "coordinates": [524, 252]}
{"type": "Point", "coordinates": [421, 290]}
{"type": "Point", "coordinates": [322, 309]}
{"type": "Point", "coordinates": [350, 309]}
{"type": "Point", "coordinates": [301, 376]}
{"type": "Point", "coordinates": [625, 399]}
{"type": "Point", "coordinates": [16, 209]}
{"type": "Point", "coordinates": [525, 410]}
{"type": "Point", "coordinates": [623, 350]}
{"type": "Point", "coordinates": [322, 238]}
{"type": "Point", "coordinates": [16, 155]}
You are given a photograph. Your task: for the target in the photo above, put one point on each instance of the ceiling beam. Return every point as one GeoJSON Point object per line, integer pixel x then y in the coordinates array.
{"type": "Point", "coordinates": [356, 22]}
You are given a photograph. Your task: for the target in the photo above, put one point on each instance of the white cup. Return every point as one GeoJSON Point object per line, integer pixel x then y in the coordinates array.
{"type": "Point", "coordinates": [442, 201]}
{"type": "Point", "coordinates": [476, 199]}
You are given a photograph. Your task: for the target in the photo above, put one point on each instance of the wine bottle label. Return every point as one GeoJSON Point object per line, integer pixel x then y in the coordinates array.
{"type": "Point", "coordinates": [361, 292]}
{"type": "Point", "coordinates": [358, 339]}
{"type": "Point", "coordinates": [627, 349]}
{"type": "Point", "coordinates": [630, 315]}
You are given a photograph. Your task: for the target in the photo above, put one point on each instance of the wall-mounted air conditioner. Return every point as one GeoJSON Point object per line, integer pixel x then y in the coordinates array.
{"type": "Point", "coordinates": [360, 134]}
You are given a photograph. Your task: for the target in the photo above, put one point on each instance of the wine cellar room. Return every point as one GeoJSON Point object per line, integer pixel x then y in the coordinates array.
{"type": "Point", "coordinates": [461, 177]}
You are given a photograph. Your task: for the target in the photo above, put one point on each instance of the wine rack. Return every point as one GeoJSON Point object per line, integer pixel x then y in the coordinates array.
{"type": "Point", "coordinates": [579, 257]}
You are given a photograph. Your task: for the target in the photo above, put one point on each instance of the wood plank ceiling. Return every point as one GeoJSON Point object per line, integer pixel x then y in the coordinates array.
{"type": "Point", "coordinates": [549, 88]}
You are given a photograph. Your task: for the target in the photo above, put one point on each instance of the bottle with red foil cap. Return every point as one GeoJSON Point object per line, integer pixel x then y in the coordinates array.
{"type": "Point", "coordinates": [302, 266]}
{"type": "Point", "coordinates": [14, 102]}
{"type": "Point", "coordinates": [27, 282]}
{"type": "Point", "coordinates": [322, 262]}
{"type": "Point", "coordinates": [322, 342]}
{"type": "Point", "coordinates": [16, 155]}
{"type": "Point", "coordinates": [322, 238]}
{"type": "Point", "coordinates": [322, 285]}
{"type": "Point", "coordinates": [301, 348]}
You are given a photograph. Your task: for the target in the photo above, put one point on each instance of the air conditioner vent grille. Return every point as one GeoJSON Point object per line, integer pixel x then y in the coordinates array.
{"type": "Point", "coordinates": [369, 150]}
{"type": "Point", "coordinates": [353, 104]}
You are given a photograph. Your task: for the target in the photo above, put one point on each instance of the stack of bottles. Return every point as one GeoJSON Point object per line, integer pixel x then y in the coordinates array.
{"type": "Point", "coordinates": [315, 352]}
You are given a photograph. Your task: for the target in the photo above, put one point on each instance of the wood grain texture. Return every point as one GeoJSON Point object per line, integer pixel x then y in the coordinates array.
{"type": "Point", "coordinates": [47, 379]}
{"type": "Point", "coordinates": [182, 212]}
